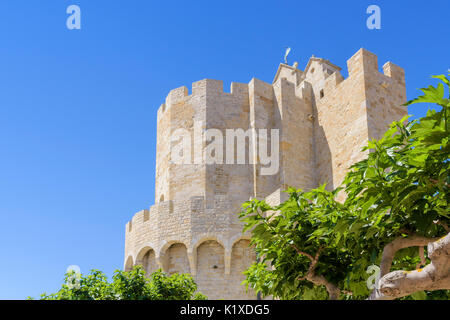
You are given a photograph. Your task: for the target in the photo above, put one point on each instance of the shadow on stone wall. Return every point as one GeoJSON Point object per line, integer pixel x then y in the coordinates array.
{"type": "Point", "coordinates": [324, 161]}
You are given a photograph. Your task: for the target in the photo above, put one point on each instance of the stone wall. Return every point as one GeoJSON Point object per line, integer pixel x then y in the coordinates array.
{"type": "Point", "coordinates": [323, 121]}
{"type": "Point", "coordinates": [191, 236]}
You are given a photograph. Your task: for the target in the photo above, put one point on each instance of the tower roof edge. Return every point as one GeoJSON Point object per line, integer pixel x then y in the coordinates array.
{"type": "Point", "coordinates": [286, 66]}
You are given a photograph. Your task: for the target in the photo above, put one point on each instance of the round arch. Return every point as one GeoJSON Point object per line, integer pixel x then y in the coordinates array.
{"type": "Point", "coordinates": [208, 237]}
{"type": "Point", "coordinates": [147, 257]}
{"type": "Point", "coordinates": [142, 252]}
{"type": "Point", "coordinates": [166, 245]}
{"type": "Point", "coordinates": [175, 258]}
{"type": "Point", "coordinates": [238, 238]}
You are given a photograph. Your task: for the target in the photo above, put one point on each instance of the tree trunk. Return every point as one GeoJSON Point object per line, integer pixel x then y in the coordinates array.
{"type": "Point", "coordinates": [434, 276]}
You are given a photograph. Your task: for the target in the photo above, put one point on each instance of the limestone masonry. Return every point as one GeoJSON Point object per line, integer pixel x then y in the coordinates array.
{"type": "Point", "coordinates": [323, 119]}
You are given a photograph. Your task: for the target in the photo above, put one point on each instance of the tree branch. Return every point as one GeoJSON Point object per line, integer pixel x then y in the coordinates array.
{"type": "Point", "coordinates": [315, 260]}
{"type": "Point", "coordinates": [442, 224]}
{"type": "Point", "coordinates": [423, 261]}
{"type": "Point", "coordinates": [302, 253]}
{"type": "Point", "coordinates": [333, 291]}
{"type": "Point", "coordinates": [434, 276]}
{"type": "Point", "coordinates": [397, 244]}
{"type": "Point", "coordinates": [434, 181]}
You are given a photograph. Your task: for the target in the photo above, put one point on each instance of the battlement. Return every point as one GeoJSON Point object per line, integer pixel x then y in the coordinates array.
{"type": "Point", "coordinates": [394, 72]}
{"type": "Point", "coordinates": [196, 204]}
{"type": "Point", "coordinates": [200, 90]}
{"type": "Point", "coordinates": [367, 62]}
{"type": "Point", "coordinates": [362, 62]}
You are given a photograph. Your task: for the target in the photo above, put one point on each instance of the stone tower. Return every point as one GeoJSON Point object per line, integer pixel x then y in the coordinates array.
{"type": "Point", "coordinates": [322, 120]}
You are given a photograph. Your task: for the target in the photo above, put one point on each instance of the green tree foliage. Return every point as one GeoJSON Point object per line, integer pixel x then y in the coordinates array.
{"type": "Point", "coordinates": [127, 285]}
{"type": "Point", "coordinates": [316, 247]}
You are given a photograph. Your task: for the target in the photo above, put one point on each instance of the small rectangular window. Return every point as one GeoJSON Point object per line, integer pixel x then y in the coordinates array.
{"type": "Point", "coordinates": [321, 94]}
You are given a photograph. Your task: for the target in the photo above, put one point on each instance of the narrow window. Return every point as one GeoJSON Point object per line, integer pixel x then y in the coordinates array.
{"type": "Point", "coordinates": [321, 94]}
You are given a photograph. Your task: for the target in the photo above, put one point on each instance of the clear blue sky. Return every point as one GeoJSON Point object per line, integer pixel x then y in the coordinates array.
{"type": "Point", "coordinates": [78, 107]}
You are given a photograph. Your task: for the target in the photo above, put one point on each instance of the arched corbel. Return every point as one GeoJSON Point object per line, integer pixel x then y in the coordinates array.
{"type": "Point", "coordinates": [192, 257]}
{"type": "Point", "coordinates": [227, 260]}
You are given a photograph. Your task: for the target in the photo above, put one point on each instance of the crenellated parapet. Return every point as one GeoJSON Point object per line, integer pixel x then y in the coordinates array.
{"type": "Point", "coordinates": [200, 90]}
